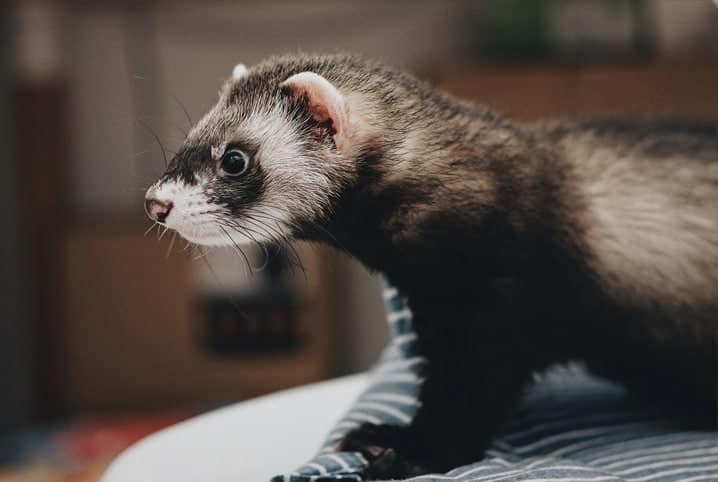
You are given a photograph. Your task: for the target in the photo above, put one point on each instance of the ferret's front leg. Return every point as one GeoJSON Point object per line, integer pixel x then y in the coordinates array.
{"type": "Point", "coordinates": [469, 389]}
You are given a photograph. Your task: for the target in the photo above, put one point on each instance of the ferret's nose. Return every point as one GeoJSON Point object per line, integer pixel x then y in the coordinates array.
{"type": "Point", "coordinates": [158, 210]}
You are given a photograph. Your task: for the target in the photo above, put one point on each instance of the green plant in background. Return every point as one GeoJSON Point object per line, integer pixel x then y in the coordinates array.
{"type": "Point", "coordinates": [526, 29]}
{"type": "Point", "coordinates": [515, 29]}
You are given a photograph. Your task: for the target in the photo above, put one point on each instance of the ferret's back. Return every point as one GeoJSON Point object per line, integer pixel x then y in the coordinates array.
{"type": "Point", "coordinates": [650, 197]}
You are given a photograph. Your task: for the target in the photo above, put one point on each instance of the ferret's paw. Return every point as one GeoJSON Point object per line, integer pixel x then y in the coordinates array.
{"type": "Point", "coordinates": [387, 448]}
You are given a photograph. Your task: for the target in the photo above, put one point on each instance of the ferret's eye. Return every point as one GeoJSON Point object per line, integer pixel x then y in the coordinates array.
{"type": "Point", "coordinates": [234, 163]}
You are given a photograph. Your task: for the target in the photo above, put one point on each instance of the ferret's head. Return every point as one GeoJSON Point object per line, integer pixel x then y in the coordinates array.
{"type": "Point", "coordinates": [270, 157]}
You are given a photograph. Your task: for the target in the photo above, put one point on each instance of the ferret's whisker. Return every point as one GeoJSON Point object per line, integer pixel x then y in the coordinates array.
{"type": "Point", "coordinates": [157, 138]}
{"type": "Point", "coordinates": [201, 255]}
{"type": "Point", "coordinates": [238, 249]}
{"type": "Point", "coordinates": [281, 239]}
{"type": "Point", "coordinates": [246, 231]}
{"type": "Point", "coordinates": [235, 226]}
{"type": "Point", "coordinates": [277, 238]}
{"type": "Point", "coordinates": [219, 282]}
{"type": "Point", "coordinates": [266, 257]}
{"type": "Point", "coordinates": [273, 233]}
{"type": "Point", "coordinates": [184, 109]}
{"type": "Point", "coordinates": [181, 131]}
{"type": "Point", "coordinates": [152, 226]}
{"type": "Point", "coordinates": [172, 243]}
{"type": "Point", "coordinates": [276, 230]}
{"type": "Point", "coordinates": [297, 259]}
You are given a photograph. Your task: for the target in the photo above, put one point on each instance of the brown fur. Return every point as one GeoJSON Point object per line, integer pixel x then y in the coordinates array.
{"type": "Point", "coordinates": [518, 246]}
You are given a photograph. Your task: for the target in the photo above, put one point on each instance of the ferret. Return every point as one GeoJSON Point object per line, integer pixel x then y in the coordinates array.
{"type": "Point", "coordinates": [518, 246]}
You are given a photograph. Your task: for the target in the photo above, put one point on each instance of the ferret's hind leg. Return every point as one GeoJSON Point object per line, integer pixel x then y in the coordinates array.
{"type": "Point", "coordinates": [684, 385]}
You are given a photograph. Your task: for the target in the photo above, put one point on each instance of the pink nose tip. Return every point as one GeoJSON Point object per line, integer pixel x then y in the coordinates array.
{"type": "Point", "coordinates": [158, 210]}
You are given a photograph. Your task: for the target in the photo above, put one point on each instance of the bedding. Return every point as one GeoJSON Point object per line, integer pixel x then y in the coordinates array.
{"type": "Point", "coordinates": [570, 426]}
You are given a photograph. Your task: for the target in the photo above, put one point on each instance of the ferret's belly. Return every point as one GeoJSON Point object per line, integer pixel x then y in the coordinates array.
{"type": "Point", "coordinates": [553, 320]}
{"type": "Point", "coordinates": [640, 347]}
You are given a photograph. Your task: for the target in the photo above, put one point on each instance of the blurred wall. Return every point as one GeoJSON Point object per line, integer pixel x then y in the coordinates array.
{"type": "Point", "coordinates": [15, 364]}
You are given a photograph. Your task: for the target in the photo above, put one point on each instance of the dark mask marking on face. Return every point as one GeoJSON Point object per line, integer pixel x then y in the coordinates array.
{"type": "Point", "coordinates": [186, 163]}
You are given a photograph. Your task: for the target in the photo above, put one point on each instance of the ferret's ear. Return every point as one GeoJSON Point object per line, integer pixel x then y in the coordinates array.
{"type": "Point", "coordinates": [325, 103]}
{"type": "Point", "coordinates": [239, 71]}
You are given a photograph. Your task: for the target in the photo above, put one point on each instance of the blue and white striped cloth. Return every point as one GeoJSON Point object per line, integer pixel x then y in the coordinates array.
{"type": "Point", "coordinates": [569, 427]}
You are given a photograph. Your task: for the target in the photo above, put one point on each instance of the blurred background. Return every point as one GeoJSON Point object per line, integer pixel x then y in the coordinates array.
{"type": "Point", "coordinates": [109, 332]}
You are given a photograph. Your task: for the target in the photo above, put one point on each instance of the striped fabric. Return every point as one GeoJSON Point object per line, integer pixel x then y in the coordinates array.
{"type": "Point", "coordinates": [569, 427]}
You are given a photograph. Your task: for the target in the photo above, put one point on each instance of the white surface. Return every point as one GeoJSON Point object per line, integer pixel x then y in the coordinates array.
{"type": "Point", "coordinates": [247, 442]}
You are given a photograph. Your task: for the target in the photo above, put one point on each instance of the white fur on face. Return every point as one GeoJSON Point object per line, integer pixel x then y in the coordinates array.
{"type": "Point", "coordinates": [298, 187]}
{"type": "Point", "coordinates": [194, 217]}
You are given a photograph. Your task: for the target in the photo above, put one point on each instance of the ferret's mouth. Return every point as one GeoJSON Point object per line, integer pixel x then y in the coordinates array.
{"type": "Point", "coordinates": [211, 234]}
{"type": "Point", "coordinates": [205, 240]}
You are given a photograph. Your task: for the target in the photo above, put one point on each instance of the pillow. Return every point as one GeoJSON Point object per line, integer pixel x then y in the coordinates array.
{"type": "Point", "coordinates": [569, 427]}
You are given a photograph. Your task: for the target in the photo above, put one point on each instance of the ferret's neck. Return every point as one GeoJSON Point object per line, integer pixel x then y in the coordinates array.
{"type": "Point", "coordinates": [458, 179]}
